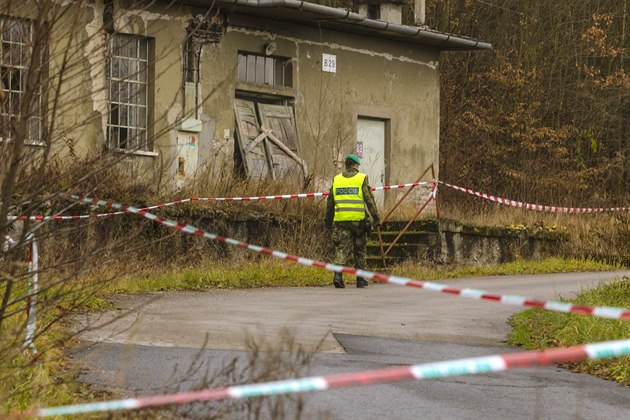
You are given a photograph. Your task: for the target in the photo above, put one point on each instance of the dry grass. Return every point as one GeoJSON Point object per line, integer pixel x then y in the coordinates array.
{"type": "Point", "coordinates": [602, 236]}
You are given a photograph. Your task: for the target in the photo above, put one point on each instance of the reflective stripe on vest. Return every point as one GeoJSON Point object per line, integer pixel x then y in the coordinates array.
{"type": "Point", "coordinates": [348, 195]}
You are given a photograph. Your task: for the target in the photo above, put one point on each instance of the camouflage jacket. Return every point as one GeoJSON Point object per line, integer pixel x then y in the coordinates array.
{"type": "Point", "coordinates": [368, 197]}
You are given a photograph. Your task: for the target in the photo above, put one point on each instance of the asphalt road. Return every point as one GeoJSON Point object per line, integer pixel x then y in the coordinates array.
{"type": "Point", "coordinates": [162, 342]}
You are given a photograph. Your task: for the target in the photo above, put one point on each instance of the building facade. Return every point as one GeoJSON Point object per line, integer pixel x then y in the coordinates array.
{"type": "Point", "coordinates": [263, 89]}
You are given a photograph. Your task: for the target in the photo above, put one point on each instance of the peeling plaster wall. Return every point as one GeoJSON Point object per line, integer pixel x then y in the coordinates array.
{"type": "Point", "coordinates": [78, 113]}
{"type": "Point", "coordinates": [94, 52]}
{"type": "Point", "coordinates": [218, 78]}
{"type": "Point", "coordinates": [78, 51]}
{"type": "Point", "coordinates": [167, 27]}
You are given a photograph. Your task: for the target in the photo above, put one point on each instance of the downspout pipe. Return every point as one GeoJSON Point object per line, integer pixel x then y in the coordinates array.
{"type": "Point", "coordinates": [359, 20]}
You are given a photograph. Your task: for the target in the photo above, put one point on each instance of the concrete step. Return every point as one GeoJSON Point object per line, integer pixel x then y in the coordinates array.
{"type": "Point", "coordinates": [400, 250]}
{"type": "Point", "coordinates": [415, 243]}
{"type": "Point", "coordinates": [409, 237]}
{"type": "Point", "coordinates": [374, 262]}
{"type": "Point", "coordinates": [418, 225]}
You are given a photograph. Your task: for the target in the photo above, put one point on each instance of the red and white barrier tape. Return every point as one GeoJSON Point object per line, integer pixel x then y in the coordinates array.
{"type": "Point", "coordinates": [538, 207]}
{"type": "Point", "coordinates": [33, 291]}
{"type": "Point", "coordinates": [604, 312]}
{"type": "Point", "coordinates": [186, 200]}
{"type": "Point", "coordinates": [504, 201]}
{"type": "Point", "coordinates": [87, 216]}
{"type": "Point", "coordinates": [451, 368]}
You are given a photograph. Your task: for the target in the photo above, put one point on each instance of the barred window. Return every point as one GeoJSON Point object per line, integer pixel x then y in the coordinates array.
{"type": "Point", "coordinates": [15, 59]}
{"type": "Point", "coordinates": [192, 51]}
{"type": "Point", "coordinates": [129, 92]}
{"type": "Point", "coordinates": [264, 70]}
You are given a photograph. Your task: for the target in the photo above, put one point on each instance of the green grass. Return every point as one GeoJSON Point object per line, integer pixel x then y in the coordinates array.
{"type": "Point", "coordinates": [269, 272]}
{"type": "Point", "coordinates": [539, 329]}
{"type": "Point", "coordinates": [28, 379]}
{"type": "Point", "coordinates": [250, 274]}
{"type": "Point", "coordinates": [548, 265]}
{"type": "Point", "coordinates": [42, 378]}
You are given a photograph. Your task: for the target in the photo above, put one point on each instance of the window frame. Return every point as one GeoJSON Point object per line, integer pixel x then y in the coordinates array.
{"type": "Point", "coordinates": [23, 45]}
{"type": "Point", "coordinates": [273, 68]}
{"type": "Point", "coordinates": [134, 54]}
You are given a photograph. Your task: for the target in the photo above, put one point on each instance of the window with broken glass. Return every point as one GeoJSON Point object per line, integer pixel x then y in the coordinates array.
{"type": "Point", "coordinates": [129, 92]}
{"type": "Point", "coordinates": [265, 70]}
{"type": "Point", "coordinates": [15, 61]}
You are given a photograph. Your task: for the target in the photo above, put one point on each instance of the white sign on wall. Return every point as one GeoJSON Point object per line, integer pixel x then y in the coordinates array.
{"type": "Point", "coordinates": [329, 63]}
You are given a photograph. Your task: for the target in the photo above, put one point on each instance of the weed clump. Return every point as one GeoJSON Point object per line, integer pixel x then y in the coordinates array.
{"type": "Point", "coordinates": [538, 329]}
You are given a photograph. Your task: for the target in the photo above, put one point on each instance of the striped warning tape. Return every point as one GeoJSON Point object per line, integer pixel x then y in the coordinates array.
{"type": "Point", "coordinates": [113, 213]}
{"type": "Point", "coordinates": [305, 195]}
{"type": "Point", "coordinates": [187, 200]}
{"type": "Point", "coordinates": [538, 207]}
{"type": "Point", "coordinates": [445, 369]}
{"type": "Point", "coordinates": [604, 312]}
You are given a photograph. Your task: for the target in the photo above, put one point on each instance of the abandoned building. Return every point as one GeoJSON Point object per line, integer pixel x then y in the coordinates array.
{"type": "Point", "coordinates": [278, 89]}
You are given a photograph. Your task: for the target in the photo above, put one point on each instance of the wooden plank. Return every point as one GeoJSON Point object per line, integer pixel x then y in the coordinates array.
{"type": "Point", "coordinates": [267, 132]}
{"type": "Point", "coordinates": [254, 156]}
{"type": "Point", "coordinates": [280, 120]}
{"type": "Point", "coordinates": [255, 142]}
{"type": "Point", "coordinates": [279, 123]}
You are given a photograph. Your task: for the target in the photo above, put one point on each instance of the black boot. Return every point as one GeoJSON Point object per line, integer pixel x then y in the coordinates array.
{"type": "Point", "coordinates": [362, 282]}
{"type": "Point", "coordinates": [338, 281]}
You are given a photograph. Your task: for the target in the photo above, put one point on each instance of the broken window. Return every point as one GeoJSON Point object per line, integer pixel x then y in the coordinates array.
{"type": "Point", "coordinates": [15, 62]}
{"type": "Point", "coordinates": [267, 142]}
{"type": "Point", "coordinates": [129, 92]}
{"type": "Point", "coordinates": [265, 70]}
{"type": "Point", "coordinates": [374, 11]}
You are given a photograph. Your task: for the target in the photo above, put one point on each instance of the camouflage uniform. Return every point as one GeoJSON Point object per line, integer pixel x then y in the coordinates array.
{"type": "Point", "coordinates": [349, 237]}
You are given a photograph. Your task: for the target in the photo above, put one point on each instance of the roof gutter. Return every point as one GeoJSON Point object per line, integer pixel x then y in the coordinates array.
{"type": "Point", "coordinates": [359, 20]}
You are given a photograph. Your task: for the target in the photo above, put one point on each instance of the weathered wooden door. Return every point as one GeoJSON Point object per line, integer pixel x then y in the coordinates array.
{"type": "Point", "coordinates": [285, 156]}
{"type": "Point", "coordinates": [251, 142]}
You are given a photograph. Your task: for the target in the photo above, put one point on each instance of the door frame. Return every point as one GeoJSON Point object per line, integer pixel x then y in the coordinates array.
{"type": "Point", "coordinates": [383, 114]}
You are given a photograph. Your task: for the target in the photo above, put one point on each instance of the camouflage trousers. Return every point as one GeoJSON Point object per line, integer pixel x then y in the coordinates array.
{"type": "Point", "coordinates": [349, 239]}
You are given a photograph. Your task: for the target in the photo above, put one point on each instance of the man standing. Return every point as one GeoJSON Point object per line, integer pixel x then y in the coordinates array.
{"type": "Point", "coordinates": [349, 196]}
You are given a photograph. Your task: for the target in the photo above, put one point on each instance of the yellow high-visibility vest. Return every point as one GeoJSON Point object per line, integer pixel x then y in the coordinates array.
{"type": "Point", "coordinates": [348, 195]}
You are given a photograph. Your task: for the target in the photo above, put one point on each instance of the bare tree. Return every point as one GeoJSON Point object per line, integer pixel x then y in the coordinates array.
{"type": "Point", "coordinates": [73, 107]}
{"type": "Point", "coordinates": [552, 95]}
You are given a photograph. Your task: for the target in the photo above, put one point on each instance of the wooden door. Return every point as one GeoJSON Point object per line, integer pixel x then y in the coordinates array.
{"type": "Point", "coordinates": [278, 123]}
{"type": "Point", "coordinates": [251, 141]}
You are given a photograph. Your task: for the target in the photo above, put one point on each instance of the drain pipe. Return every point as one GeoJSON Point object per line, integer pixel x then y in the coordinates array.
{"type": "Point", "coordinates": [359, 20]}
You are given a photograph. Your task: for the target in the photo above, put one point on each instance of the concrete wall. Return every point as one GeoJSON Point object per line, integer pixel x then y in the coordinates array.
{"type": "Point", "coordinates": [450, 242]}
{"type": "Point", "coordinates": [462, 244]}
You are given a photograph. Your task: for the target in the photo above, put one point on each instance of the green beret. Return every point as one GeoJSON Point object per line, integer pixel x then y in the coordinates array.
{"type": "Point", "coordinates": [353, 158]}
